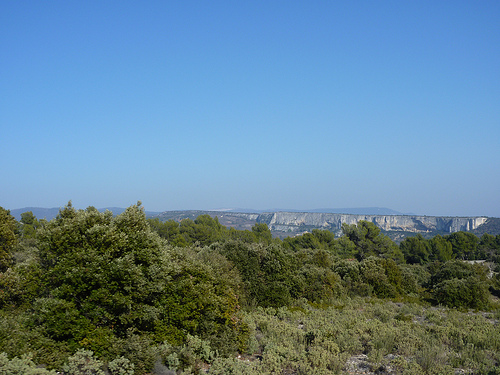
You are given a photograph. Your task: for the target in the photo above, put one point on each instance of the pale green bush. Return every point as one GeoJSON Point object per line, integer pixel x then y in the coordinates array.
{"type": "Point", "coordinates": [233, 366]}
{"type": "Point", "coordinates": [83, 363]}
{"type": "Point", "coordinates": [121, 366]}
{"type": "Point", "coordinates": [21, 366]}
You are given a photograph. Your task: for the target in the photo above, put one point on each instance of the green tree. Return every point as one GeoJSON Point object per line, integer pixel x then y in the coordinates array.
{"type": "Point", "coordinates": [440, 249]}
{"type": "Point", "coordinates": [464, 245]}
{"type": "Point", "coordinates": [325, 237]}
{"type": "Point", "coordinates": [457, 269]}
{"type": "Point", "coordinates": [262, 233]}
{"type": "Point", "coordinates": [304, 241]}
{"type": "Point", "coordinates": [488, 246]}
{"type": "Point", "coordinates": [415, 249]}
{"type": "Point", "coordinates": [459, 284]}
{"type": "Point", "coordinates": [201, 300]}
{"type": "Point", "coordinates": [345, 248]}
{"type": "Point", "coordinates": [369, 241]}
{"type": "Point", "coordinates": [29, 224]}
{"type": "Point", "coordinates": [168, 230]}
{"type": "Point", "coordinates": [8, 239]}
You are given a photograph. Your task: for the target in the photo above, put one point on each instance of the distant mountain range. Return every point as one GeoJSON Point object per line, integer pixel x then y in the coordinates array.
{"type": "Point", "coordinates": [290, 222]}
{"type": "Point", "coordinates": [51, 213]}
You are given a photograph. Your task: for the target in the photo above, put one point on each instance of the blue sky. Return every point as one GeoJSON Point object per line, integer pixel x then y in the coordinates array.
{"type": "Point", "coordinates": [258, 104]}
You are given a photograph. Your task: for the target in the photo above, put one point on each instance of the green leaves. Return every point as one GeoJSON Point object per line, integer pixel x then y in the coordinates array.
{"type": "Point", "coordinates": [369, 241]}
{"type": "Point", "coordinates": [7, 238]}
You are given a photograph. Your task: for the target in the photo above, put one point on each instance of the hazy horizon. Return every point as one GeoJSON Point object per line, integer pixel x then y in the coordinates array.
{"type": "Point", "coordinates": [254, 105]}
{"type": "Point", "coordinates": [370, 211]}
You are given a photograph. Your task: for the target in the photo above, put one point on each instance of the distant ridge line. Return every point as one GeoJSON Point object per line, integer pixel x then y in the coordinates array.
{"type": "Point", "coordinates": [50, 213]}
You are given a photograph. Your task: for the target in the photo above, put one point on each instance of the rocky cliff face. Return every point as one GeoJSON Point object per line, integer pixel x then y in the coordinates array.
{"type": "Point", "coordinates": [285, 224]}
{"type": "Point", "coordinates": [300, 221]}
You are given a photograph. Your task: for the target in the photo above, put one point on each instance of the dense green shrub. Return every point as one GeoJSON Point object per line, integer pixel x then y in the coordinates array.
{"type": "Point", "coordinates": [452, 269]}
{"type": "Point", "coordinates": [267, 271]}
{"type": "Point", "coordinates": [201, 300]}
{"type": "Point", "coordinates": [459, 284]}
{"type": "Point", "coordinates": [383, 275]}
{"type": "Point", "coordinates": [470, 292]}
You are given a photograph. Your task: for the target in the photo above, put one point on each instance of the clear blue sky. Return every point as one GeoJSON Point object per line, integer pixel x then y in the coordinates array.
{"type": "Point", "coordinates": [256, 104]}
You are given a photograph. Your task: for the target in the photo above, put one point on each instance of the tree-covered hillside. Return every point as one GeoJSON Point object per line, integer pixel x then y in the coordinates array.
{"type": "Point", "coordinates": [93, 293]}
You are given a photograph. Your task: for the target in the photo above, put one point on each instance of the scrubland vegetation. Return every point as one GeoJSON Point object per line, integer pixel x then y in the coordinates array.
{"type": "Point", "coordinates": [89, 293]}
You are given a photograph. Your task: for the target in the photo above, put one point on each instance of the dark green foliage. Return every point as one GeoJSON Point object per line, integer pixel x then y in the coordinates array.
{"type": "Point", "coordinates": [440, 249]}
{"type": "Point", "coordinates": [459, 245]}
{"type": "Point", "coordinates": [378, 276]}
{"type": "Point", "coordinates": [318, 239]}
{"type": "Point", "coordinates": [201, 300]}
{"type": "Point", "coordinates": [168, 230]}
{"type": "Point", "coordinates": [319, 284]}
{"type": "Point", "coordinates": [266, 271]}
{"type": "Point", "coordinates": [413, 278]}
{"type": "Point", "coordinates": [205, 230]}
{"type": "Point", "coordinates": [345, 248]}
{"type": "Point", "coordinates": [464, 245]}
{"type": "Point", "coordinates": [97, 281]}
{"type": "Point", "coordinates": [470, 292]}
{"type": "Point", "coordinates": [489, 247]}
{"type": "Point", "coordinates": [245, 236]}
{"type": "Point", "coordinates": [459, 284]}
{"type": "Point", "coordinates": [262, 233]}
{"type": "Point", "coordinates": [109, 268]}
{"type": "Point", "coordinates": [348, 269]}
{"type": "Point", "coordinates": [304, 241]}
{"type": "Point", "coordinates": [8, 238]}
{"type": "Point", "coordinates": [415, 249]}
{"type": "Point", "coordinates": [20, 284]}
{"type": "Point", "coordinates": [383, 275]}
{"type": "Point", "coordinates": [28, 225]}
{"type": "Point", "coordinates": [315, 278]}
{"type": "Point", "coordinates": [60, 319]}
{"type": "Point", "coordinates": [456, 269]}
{"type": "Point", "coordinates": [369, 241]}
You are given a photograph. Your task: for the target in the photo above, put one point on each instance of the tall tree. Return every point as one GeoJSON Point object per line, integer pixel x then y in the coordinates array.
{"type": "Point", "coordinates": [464, 245]}
{"type": "Point", "coordinates": [29, 224]}
{"type": "Point", "coordinates": [415, 249]}
{"type": "Point", "coordinates": [369, 241]}
{"type": "Point", "coordinates": [440, 249]}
